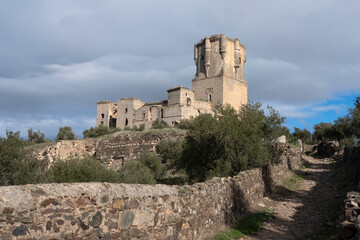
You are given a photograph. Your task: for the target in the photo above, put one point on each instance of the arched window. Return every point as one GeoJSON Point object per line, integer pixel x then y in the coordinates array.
{"type": "Point", "coordinates": [126, 122]}
{"type": "Point", "coordinates": [189, 102]}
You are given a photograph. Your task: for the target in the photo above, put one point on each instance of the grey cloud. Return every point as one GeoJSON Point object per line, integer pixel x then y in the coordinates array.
{"type": "Point", "coordinates": [59, 57]}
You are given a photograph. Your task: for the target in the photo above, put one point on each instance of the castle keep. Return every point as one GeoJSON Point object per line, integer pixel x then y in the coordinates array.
{"type": "Point", "coordinates": [219, 79]}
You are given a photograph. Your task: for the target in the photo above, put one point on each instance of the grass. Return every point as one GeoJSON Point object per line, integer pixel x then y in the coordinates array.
{"type": "Point", "coordinates": [293, 182]}
{"type": "Point", "coordinates": [246, 226]}
{"type": "Point", "coordinates": [37, 145]}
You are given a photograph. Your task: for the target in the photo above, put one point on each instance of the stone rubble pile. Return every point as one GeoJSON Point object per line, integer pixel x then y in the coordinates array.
{"type": "Point", "coordinates": [351, 224]}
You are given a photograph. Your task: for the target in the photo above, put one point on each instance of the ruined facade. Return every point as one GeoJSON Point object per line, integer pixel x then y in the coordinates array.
{"type": "Point", "coordinates": [219, 79]}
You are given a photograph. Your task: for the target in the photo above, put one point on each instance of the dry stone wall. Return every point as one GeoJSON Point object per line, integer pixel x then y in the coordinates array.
{"type": "Point", "coordinates": [118, 150]}
{"type": "Point", "coordinates": [115, 151]}
{"type": "Point", "coordinates": [133, 211]}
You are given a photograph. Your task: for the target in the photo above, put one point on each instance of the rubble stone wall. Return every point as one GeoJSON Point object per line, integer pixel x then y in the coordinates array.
{"type": "Point", "coordinates": [132, 211]}
{"type": "Point", "coordinates": [352, 157]}
{"type": "Point", "coordinates": [115, 151]}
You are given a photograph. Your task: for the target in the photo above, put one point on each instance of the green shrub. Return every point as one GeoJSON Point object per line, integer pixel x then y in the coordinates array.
{"type": "Point", "coordinates": [99, 131]}
{"type": "Point", "coordinates": [170, 150]}
{"type": "Point", "coordinates": [160, 124]}
{"type": "Point", "coordinates": [140, 128]}
{"type": "Point", "coordinates": [65, 133]}
{"type": "Point", "coordinates": [184, 124]}
{"type": "Point", "coordinates": [136, 172]}
{"type": "Point", "coordinates": [80, 170]}
{"type": "Point", "coordinates": [15, 168]}
{"type": "Point", "coordinates": [153, 162]}
{"type": "Point", "coordinates": [229, 142]}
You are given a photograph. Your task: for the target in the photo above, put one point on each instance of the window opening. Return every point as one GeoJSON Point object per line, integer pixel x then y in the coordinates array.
{"type": "Point", "coordinates": [102, 115]}
{"type": "Point", "coordinates": [189, 102]}
{"type": "Point", "coordinates": [126, 122]}
{"type": "Point", "coordinates": [209, 97]}
{"type": "Point", "coordinates": [162, 113]}
{"type": "Point", "coordinates": [126, 110]}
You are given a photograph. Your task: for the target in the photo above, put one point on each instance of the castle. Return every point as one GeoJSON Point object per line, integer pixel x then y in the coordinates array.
{"type": "Point", "coordinates": [219, 79]}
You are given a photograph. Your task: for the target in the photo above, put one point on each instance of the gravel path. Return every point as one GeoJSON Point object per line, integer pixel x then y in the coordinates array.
{"type": "Point", "coordinates": [299, 213]}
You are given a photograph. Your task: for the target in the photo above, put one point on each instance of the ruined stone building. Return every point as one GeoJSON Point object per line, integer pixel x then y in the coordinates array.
{"type": "Point", "coordinates": [219, 78]}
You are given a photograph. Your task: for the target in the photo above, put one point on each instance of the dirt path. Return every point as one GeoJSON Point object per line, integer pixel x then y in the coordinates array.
{"type": "Point", "coordinates": [300, 213]}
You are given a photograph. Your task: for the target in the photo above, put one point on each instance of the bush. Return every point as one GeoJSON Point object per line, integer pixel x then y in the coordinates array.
{"type": "Point", "coordinates": [140, 128]}
{"type": "Point", "coordinates": [136, 172]}
{"type": "Point", "coordinates": [160, 124]}
{"type": "Point", "coordinates": [15, 168]}
{"type": "Point", "coordinates": [227, 143]}
{"type": "Point", "coordinates": [170, 150]}
{"type": "Point", "coordinates": [99, 131]}
{"type": "Point", "coordinates": [80, 170]}
{"type": "Point", "coordinates": [153, 162]}
{"type": "Point", "coordinates": [65, 133]}
{"type": "Point", "coordinates": [184, 124]}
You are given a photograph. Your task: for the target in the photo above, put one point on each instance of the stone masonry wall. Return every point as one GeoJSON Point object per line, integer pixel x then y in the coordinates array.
{"type": "Point", "coordinates": [352, 158]}
{"type": "Point", "coordinates": [118, 150]}
{"type": "Point", "coordinates": [133, 211]}
{"type": "Point", "coordinates": [115, 151]}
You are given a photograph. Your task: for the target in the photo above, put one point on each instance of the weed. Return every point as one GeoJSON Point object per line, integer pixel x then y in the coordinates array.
{"type": "Point", "coordinates": [293, 182]}
{"type": "Point", "coordinates": [246, 226]}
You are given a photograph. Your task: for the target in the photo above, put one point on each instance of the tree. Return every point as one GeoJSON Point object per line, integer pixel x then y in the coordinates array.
{"type": "Point", "coordinates": [227, 143]}
{"type": "Point", "coordinates": [169, 150]}
{"type": "Point", "coordinates": [304, 135]}
{"type": "Point", "coordinates": [65, 133]}
{"type": "Point", "coordinates": [273, 125]}
{"type": "Point", "coordinates": [15, 167]}
{"type": "Point", "coordinates": [355, 117]}
{"type": "Point", "coordinates": [36, 137]}
{"type": "Point", "coordinates": [341, 129]}
{"type": "Point", "coordinates": [322, 131]}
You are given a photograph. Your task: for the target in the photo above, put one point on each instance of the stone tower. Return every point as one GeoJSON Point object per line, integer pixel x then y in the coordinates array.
{"type": "Point", "coordinates": [219, 74]}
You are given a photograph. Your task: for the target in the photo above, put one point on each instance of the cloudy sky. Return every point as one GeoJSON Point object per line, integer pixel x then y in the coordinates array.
{"type": "Point", "coordinates": [58, 58]}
